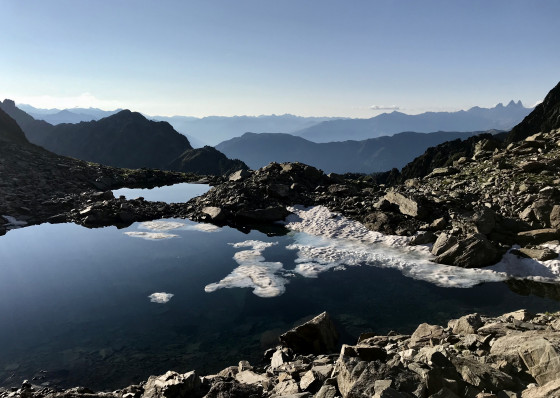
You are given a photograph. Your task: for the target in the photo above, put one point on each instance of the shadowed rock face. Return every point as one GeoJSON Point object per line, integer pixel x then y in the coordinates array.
{"type": "Point", "coordinates": [545, 117]}
{"type": "Point", "coordinates": [10, 131]}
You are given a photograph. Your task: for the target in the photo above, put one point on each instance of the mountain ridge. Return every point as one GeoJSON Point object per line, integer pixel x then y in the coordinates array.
{"type": "Point", "coordinates": [125, 139]}
{"type": "Point", "coordinates": [366, 156]}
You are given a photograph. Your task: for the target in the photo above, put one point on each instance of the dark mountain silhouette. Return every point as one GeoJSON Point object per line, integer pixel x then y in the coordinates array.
{"type": "Point", "coordinates": [125, 139]}
{"type": "Point", "coordinates": [368, 156]}
{"type": "Point", "coordinates": [475, 119]}
{"type": "Point", "coordinates": [33, 129]}
{"type": "Point", "coordinates": [206, 160]}
{"type": "Point", "coordinates": [10, 131]}
{"type": "Point", "coordinates": [545, 117]}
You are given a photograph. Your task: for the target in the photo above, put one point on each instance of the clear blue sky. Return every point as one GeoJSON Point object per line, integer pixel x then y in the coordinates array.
{"type": "Point", "coordinates": [306, 57]}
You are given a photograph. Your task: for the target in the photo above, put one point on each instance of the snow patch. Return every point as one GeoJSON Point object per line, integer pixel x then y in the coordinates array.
{"type": "Point", "coordinates": [325, 241]}
{"type": "Point", "coordinates": [264, 277]}
{"type": "Point", "coordinates": [160, 297]}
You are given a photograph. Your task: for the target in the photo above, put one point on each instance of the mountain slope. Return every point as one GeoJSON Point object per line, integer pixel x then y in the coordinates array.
{"type": "Point", "coordinates": [33, 129]}
{"type": "Point", "coordinates": [545, 117]}
{"type": "Point", "coordinates": [475, 119]}
{"type": "Point", "coordinates": [368, 156]}
{"type": "Point", "coordinates": [126, 139]}
{"type": "Point", "coordinates": [10, 131]}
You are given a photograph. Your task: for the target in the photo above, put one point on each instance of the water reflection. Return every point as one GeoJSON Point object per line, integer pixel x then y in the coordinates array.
{"type": "Point", "coordinates": [177, 193]}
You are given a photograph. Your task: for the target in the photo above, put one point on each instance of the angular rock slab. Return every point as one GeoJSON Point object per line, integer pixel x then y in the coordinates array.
{"type": "Point", "coordinates": [318, 336]}
{"type": "Point", "coordinates": [538, 350]}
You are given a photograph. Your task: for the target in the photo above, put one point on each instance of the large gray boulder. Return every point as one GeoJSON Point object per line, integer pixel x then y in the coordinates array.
{"type": "Point", "coordinates": [319, 335]}
{"type": "Point", "coordinates": [173, 385]}
{"type": "Point", "coordinates": [408, 206]}
{"type": "Point", "coordinates": [473, 251]}
{"type": "Point", "coordinates": [538, 351]}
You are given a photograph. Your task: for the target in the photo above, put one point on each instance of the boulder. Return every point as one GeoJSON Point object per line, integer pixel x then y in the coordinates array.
{"type": "Point", "coordinates": [467, 324]}
{"type": "Point", "coordinates": [550, 389]}
{"type": "Point", "coordinates": [319, 335]}
{"type": "Point", "coordinates": [232, 389]}
{"type": "Point", "coordinates": [538, 351]}
{"type": "Point", "coordinates": [485, 220]}
{"type": "Point", "coordinates": [443, 243]}
{"type": "Point", "coordinates": [483, 376]}
{"type": "Point", "coordinates": [538, 236]}
{"type": "Point", "coordinates": [554, 217]}
{"type": "Point", "coordinates": [474, 251]}
{"type": "Point", "coordinates": [426, 334]}
{"type": "Point", "coordinates": [173, 385]}
{"type": "Point", "coordinates": [250, 377]}
{"type": "Point", "coordinates": [407, 205]}
{"type": "Point", "coordinates": [239, 175]}
{"type": "Point", "coordinates": [423, 238]}
{"type": "Point", "coordinates": [216, 214]}
{"type": "Point", "coordinates": [327, 391]}
{"type": "Point", "coordinates": [538, 253]}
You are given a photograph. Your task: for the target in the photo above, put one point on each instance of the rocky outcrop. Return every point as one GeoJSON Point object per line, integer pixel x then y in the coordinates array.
{"type": "Point", "coordinates": [512, 355]}
{"type": "Point", "coordinates": [545, 117]}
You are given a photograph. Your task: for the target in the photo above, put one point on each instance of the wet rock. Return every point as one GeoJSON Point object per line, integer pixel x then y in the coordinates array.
{"type": "Point", "coordinates": [215, 214]}
{"type": "Point", "coordinates": [319, 335]}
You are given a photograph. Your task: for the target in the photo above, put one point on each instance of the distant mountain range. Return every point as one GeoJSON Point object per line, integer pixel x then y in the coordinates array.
{"type": "Point", "coordinates": [125, 139]}
{"type": "Point", "coordinates": [215, 129]}
{"type": "Point", "coordinates": [475, 119]}
{"type": "Point", "coordinates": [367, 156]}
{"type": "Point", "coordinates": [72, 115]}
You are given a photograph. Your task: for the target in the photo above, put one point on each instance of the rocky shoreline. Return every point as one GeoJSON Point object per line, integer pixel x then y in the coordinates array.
{"type": "Point", "coordinates": [512, 355]}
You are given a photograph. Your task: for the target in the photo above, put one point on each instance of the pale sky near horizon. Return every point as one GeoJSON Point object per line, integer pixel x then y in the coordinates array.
{"type": "Point", "coordinates": [251, 57]}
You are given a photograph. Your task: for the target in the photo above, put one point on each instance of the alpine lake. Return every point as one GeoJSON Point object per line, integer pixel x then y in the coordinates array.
{"type": "Point", "coordinates": [105, 308]}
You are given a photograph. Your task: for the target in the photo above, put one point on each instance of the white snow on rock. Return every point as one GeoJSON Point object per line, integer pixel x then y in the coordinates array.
{"type": "Point", "coordinates": [264, 277]}
{"type": "Point", "coordinates": [325, 241]}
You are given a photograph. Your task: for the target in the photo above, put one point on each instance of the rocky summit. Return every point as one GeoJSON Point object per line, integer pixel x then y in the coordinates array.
{"type": "Point", "coordinates": [512, 355]}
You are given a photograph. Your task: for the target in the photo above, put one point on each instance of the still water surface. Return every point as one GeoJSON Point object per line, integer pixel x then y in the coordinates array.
{"type": "Point", "coordinates": [78, 303]}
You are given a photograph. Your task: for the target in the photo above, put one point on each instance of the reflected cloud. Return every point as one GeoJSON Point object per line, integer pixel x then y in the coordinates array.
{"type": "Point", "coordinates": [150, 235]}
